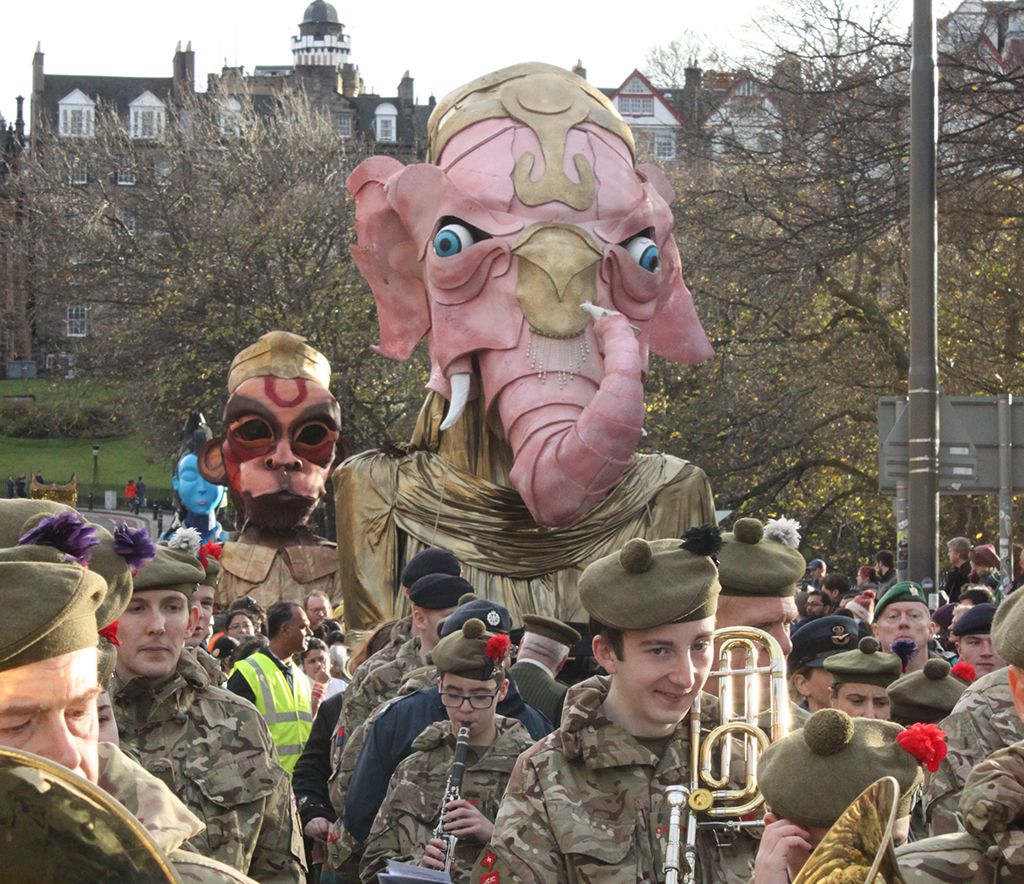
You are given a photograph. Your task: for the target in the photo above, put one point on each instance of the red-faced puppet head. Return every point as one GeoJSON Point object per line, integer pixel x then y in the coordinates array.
{"type": "Point", "coordinates": [281, 425]}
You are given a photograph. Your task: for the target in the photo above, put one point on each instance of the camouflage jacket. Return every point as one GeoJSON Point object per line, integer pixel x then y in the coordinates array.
{"type": "Point", "coordinates": [983, 721]}
{"type": "Point", "coordinates": [344, 755]}
{"type": "Point", "coordinates": [409, 814]}
{"type": "Point", "coordinates": [214, 750]}
{"type": "Point", "coordinates": [956, 858]}
{"type": "Point", "coordinates": [211, 666]}
{"type": "Point", "coordinates": [587, 805]}
{"type": "Point", "coordinates": [345, 751]}
{"type": "Point", "coordinates": [168, 822]}
{"type": "Point", "coordinates": [379, 683]}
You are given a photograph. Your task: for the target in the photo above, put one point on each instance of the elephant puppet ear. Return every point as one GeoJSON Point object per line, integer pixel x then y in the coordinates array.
{"type": "Point", "coordinates": [211, 461]}
{"type": "Point", "coordinates": [386, 257]}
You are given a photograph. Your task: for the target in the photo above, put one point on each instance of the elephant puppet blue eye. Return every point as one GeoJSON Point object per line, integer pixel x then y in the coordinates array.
{"type": "Point", "coordinates": [452, 239]}
{"type": "Point", "coordinates": [644, 252]}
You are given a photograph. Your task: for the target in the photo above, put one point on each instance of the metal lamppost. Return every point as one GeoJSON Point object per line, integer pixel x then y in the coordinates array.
{"type": "Point", "coordinates": [95, 473]}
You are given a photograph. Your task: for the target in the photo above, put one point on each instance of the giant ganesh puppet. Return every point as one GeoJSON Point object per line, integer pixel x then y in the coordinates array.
{"type": "Point", "coordinates": [538, 262]}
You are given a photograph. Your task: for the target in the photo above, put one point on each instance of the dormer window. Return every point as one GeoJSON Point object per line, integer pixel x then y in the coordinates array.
{"type": "Point", "coordinates": [386, 122]}
{"type": "Point", "coordinates": [76, 115]}
{"type": "Point", "coordinates": [146, 116]}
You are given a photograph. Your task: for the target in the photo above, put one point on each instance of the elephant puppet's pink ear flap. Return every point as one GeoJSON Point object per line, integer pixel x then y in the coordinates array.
{"type": "Point", "coordinates": [386, 258]}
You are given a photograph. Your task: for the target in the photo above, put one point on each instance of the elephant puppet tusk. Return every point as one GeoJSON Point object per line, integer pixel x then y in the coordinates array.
{"type": "Point", "coordinates": [643, 432]}
{"type": "Point", "coordinates": [598, 313]}
{"type": "Point", "coordinates": [460, 395]}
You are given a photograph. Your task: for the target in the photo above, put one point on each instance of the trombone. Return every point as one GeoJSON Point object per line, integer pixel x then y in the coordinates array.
{"type": "Point", "coordinates": [709, 801]}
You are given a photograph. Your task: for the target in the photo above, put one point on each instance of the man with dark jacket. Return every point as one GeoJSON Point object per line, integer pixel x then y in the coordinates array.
{"type": "Point", "coordinates": [309, 779]}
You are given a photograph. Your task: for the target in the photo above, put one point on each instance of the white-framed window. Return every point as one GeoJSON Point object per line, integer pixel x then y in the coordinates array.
{"type": "Point", "coordinates": [146, 116]}
{"type": "Point", "coordinates": [128, 220]}
{"type": "Point", "coordinates": [636, 106]}
{"type": "Point", "coordinates": [76, 113]}
{"type": "Point", "coordinates": [125, 170]}
{"type": "Point", "coordinates": [230, 117]}
{"type": "Point", "coordinates": [665, 145]}
{"type": "Point", "coordinates": [345, 125]}
{"type": "Point", "coordinates": [636, 87]}
{"type": "Point", "coordinates": [386, 122]}
{"type": "Point", "coordinates": [162, 168]}
{"type": "Point", "coordinates": [79, 173]}
{"type": "Point", "coordinates": [159, 223]}
{"type": "Point", "coordinates": [77, 320]}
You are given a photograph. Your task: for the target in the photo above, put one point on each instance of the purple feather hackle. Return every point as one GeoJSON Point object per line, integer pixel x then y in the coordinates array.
{"type": "Point", "coordinates": [136, 546]}
{"type": "Point", "coordinates": [904, 648]}
{"type": "Point", "coordinates": [67, 532]}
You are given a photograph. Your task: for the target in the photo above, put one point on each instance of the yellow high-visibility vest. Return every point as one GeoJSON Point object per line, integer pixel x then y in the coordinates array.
{"type": "Point", "coordinates": [287, 711]}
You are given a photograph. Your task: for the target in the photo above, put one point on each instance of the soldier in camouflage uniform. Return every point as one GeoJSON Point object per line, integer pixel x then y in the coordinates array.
{"type": "Point", "coordinates": [982, 722]}
{"type": "Point", "coordinates": [212, 747]}
{"type": "Point", "coordinates": [587, 803]}
{"type": "Point", "coordinates": [427, 561]}
{"type": "Point", "coordinates": [49, 682]}
{"type": "Point", "coordinates": [992, 848]}
{"type": "Point", "coordinates": [469, 665]}
{"type": "Point", "coordinates": [433, 598]}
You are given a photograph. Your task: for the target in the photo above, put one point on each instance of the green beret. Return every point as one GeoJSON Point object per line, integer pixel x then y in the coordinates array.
{"type": "Point", "coordinates": [760, 560]}
{"type": "Point", "coordinates": [550, 628]}
{"type": "Point", "coordinates": [49, 607]}
{"type": "Point", "coordinates": [867, 664]}
{"type": "Point", "coordinates": [1008, 629]}
{"type": "Point", "coordinates": [927, 695]}
{"type": "Point", "coordinates": [19, 516]}
{"type": "Point", "coordinates": [171, 569]}
{"type": "Point", "coordinates": [464, 652]}
{"type": "Point", "coordinates": [849, 754]}
{"type": "Point", "coordinates": [647, 584]}
{"type": "Point", "coordinates": [907, 591]}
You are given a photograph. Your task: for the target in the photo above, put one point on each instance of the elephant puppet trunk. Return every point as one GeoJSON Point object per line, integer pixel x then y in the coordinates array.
{"type": "Point", "coordinates": [567, 455]}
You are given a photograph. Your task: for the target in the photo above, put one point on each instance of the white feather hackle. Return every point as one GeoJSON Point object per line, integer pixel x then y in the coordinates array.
{"type": "Point", "coordinates": [187, 539]}
{"type": "Point", "coordinates": [783, 530]}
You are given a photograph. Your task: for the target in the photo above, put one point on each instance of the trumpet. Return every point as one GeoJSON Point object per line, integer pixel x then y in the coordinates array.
{"type": "Point", "coordinates": [707, 799]}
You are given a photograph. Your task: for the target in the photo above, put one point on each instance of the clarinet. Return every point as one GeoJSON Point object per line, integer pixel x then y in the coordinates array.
{"type": "Point", "coordinates": [452, 793]}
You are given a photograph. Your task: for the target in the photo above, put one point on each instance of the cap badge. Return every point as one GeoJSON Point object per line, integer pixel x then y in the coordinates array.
{"type": "Point", "coordinates": [493, 618]}
{"type": "Point", "coordinates": [840, 636]}
{"type": "Point", "coordinates": [914, 592]}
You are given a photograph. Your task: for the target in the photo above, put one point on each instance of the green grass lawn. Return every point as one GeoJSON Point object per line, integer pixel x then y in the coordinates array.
{"type": "Point", "coordinates": [56, 459]}
{"type": "Point", "coordinates": [120, 458]}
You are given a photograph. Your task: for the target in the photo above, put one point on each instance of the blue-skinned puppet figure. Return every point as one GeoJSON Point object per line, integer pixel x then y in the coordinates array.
{"type": "Point", "coordinates": [199, 498]}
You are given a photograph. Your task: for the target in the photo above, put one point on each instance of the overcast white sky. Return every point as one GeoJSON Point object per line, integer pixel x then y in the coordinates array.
{"type": "Point", "coordinates": [442, 44]}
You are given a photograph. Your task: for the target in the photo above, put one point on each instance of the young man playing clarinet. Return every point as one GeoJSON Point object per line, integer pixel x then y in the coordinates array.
{"type": "Point", "coordinates": [471, 677]}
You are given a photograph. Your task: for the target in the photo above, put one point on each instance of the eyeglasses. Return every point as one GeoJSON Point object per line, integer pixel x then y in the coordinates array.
{"type": "Point", "coordinates": [477, 701]}
{"type": "Point", "coordinates": [912, 616]}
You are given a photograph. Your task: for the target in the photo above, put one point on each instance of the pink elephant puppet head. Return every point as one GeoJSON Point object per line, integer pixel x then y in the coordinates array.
{"type": "Point", "coordinates": [538, 260]}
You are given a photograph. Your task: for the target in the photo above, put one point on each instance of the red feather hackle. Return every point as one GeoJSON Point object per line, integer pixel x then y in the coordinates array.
{"type": "Point", "coordinates": [926, 742]}
{"type": "Point", "coordinates": [497, 647]}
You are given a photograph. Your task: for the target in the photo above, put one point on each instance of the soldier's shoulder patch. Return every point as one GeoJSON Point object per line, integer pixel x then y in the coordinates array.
{"type": "Point", "coordinates": [488, 859]}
